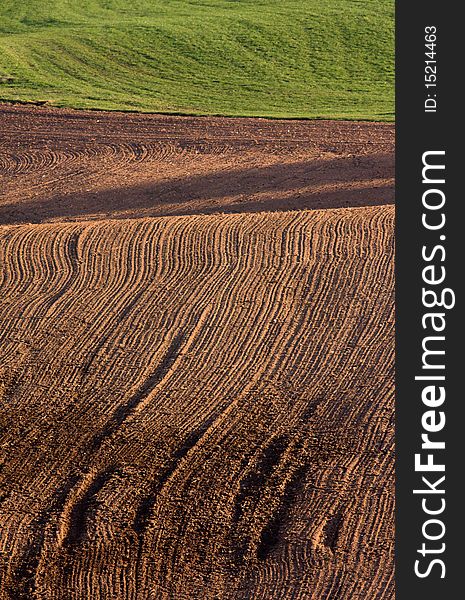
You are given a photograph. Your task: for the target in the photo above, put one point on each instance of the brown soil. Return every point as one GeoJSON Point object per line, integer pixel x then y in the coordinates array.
{"type": "Point", "coordinates": [73, 165]}
{"type": "Point", "coordinates": [200, 406]}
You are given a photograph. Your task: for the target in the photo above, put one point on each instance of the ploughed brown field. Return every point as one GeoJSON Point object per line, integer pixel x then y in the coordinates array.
{"type": "Point", "coordinates": [196, 381]}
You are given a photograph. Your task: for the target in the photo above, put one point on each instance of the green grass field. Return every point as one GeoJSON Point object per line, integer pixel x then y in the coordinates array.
{"type": "Point", "coordinates": [276, 58]}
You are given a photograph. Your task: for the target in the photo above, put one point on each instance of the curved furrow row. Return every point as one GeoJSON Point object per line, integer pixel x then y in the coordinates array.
{"type": "Point", "coordinates": [41, 161]}
{"type": "Point", "coordinates": [331, 421]}
{"type": "Point", "coordinates": [199, 407]}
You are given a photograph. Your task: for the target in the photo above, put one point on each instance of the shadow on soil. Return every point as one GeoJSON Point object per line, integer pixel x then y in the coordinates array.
{"type": "Point", "coordinates": [311, 184]}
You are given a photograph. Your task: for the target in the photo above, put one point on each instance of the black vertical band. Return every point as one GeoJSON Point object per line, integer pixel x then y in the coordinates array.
{"type": "Point", "coordinates": [430, 262]}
